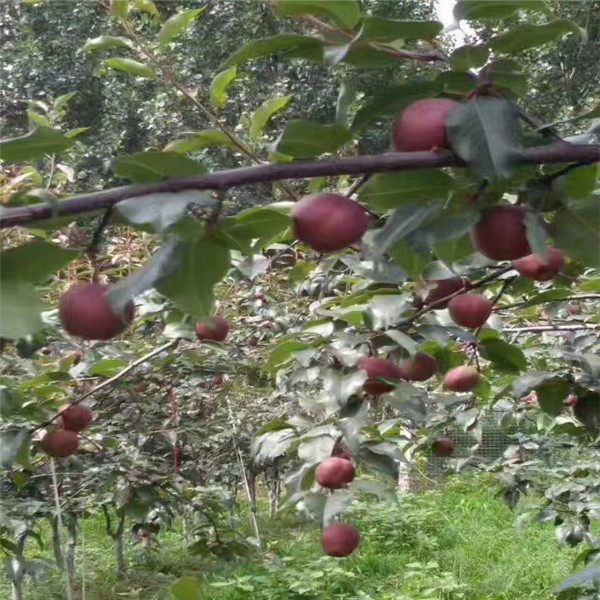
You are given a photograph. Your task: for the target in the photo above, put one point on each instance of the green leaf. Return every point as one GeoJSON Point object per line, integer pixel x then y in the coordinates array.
{"type": "Point", "coordinates": [402, 221]}
{"type": "Point", "coordinates": [505, 357]}
{"type": "Point", "coordinates": [467, 57]}
{"type": "Point", "coordinates": [186, 588]}
{"type": "Point", "coordinates": [282, 353]}
{"type": "Point", "coordinates": [286, 46]}
{"type": "Point", "coordinates": [457, 83]}
{"type": "Point", "coordinates": [379, 29]}
{"type": "Point", "coordinates": [344, 13]}
{"type": "Point", "coordinates": [200, 140]}
{"type": "Point", "coordinates": [336, 504]}
{"type": "Point", "coordinates": [129, 65]}
{"type": "Point", "coordinates": [505, 73]}
{"type": "Point", "coordinates": [393, 99]}
{"type": "Point", "coordinates": [154, 166]}
{"type": "Point", "coordinates": [304, 139]}
{"type": "Point", "coordinates": [576, 230]}
{"type": "Point", "coordinates": [345, 98]}
{"type": "Point", "coordinates": [484, 133]}
{"type": "Point", "coordinates": [176, 24]}
{"type": "Point", "coordinates": [385, 191]}
{"type": "Point", "coordinates": [536, 234]}
{"type": "Point", "coordinates": [218, 86]}
{"type": "Point", "coordinates": [586, 409]}
{"type": "Point", "coordinates": [454, 249]}
{"type": "Point", "coordinates": [496, 9]}
{"type": "Point", "coordinates": [271, 445]}
{"type": "Point", "coordinates": [62, 101]}
{"type": "Point", "coordinates": [148, 7]}
{"type": "Point", "coordinates": [107, 367]}
{"type": "Point", "coordinates": [582, 181]}
{"type": "Point", "coordinates": [162, 210]}
{"type": "Point", "coordinates": [73, 133]}
{"type": "Point", "coordinates": [551, 395]}
{"type": "Point", "coordinates": [35, 144]}
{"type": "Point", "coordinates": [527, 36]}
{"type": "Point", "coordinates": [254, 228]}
{"type": "Point", "coordinates": [104, 42]}
{"type": "Point", "coordinates": [38, 119]}
{"type": "Point", "coordinates": [21, 308]}
{"type": "Point", "coordinates": [200, 266]}
{"type": "Point", "coordinates": [548, 295]}
{"type": "Point", "coordinates": [262, 115]}
{"type": "Point", "coordinates": [34, 262]}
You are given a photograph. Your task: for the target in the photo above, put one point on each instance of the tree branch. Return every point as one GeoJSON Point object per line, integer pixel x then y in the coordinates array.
{"type": "Point", "coordinates": [361, 165]}
{"type": "Point", "coordinates": [534, 328]}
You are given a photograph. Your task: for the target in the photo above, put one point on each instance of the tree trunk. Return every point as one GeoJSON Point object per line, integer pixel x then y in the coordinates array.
{"type": "Point", "coordinates": [119, 554]}
{"type": "Point", "coordinates": [56, 549]}
{"type": "Point", "coordinates": [71, 545]}
{"type": "Point", "coordinates": [18, 571]}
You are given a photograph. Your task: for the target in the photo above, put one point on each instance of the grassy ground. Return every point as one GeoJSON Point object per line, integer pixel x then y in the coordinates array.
{"type": "Point", "coordinates": [458, 543]}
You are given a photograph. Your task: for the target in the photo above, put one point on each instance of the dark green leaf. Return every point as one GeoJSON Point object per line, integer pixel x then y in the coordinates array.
{"type": "Point", "coordinates": [527, 36]}
{"type": "Point", "coordinates": [286, 46]}
{"type": "Point", "coordinates": [34, 262]}
{"type": "Point", "coordinates": [402, 221]}
{"type": "Point", "coordinates": [551, 395]}
{"type": "Point", "coordinates": [542, 297]}
{"type": "Point", "coordinates": [379, 29]}
{"type": "Point", "coordinates": [484, 133]}
{"type": "Point", "coordinates": [154, 166]}
{"type": "Point", "coordinates": [576, 230]}
{"type": "Point", "coordinates": [129, 65]}
{"type": "Point", "coordinates": [200, 265]}
{"type": "Point", "coordinates": [587, 409]}
{"type": "Point", "coordinates": [496, 9]}
{"type": "Point", "coordinates": [505, 357]}
{"type": "Point", "coordinates": [36, 143]}
{"type": "Point", "coordinates": [529, 381]}
{"type": "Point", "coordinates": [454, 249]}
{"type": "Point", "coordinates": [382, 457]}
{"type": "Point", "coordinates": [105, 42]}
{"type": "Point", "coordinates": [467, 57]}
{"type": "Point", "coordinates": [176, 24]}
{"type": "Point", "coordinates": [254, 228]}
{"type": "Point", "coordinates": [219, 84]}
{"type": "Point", "coordinates": [10, 442]}
{"type": "Point", "coordinates": [505, 73]}
{"type": "Point", "coordinates": [162, 210]}
{"type": "Point", "coordinates": [390, 190]}
{"type": "Point", "coordinates": [581, 182]}
{"type": "Point", "coordinates": [392, 100]}
{"type": "Point", "coordinates": [456, 83]}
{"type": "Point", "coordinates": [304, 139]}
{"type": "Point", "coordinates": [202, 139]}
{"type": "Point", "coordinates": [344, 13]}
{"type": "Point", "coordinates": [262, 115]}
{"type": "Point", "coordinates": [21, 308]}
{"type": "Point", "coordinates": [272, 445]}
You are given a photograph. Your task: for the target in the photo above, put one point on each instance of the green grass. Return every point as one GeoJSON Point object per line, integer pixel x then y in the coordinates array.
{"type": "Point", "coordinates": [458, 543]}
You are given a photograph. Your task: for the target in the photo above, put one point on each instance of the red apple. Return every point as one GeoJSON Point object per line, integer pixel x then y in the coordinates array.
{"type": "Point", "coordinates": [470, 310]}
{"type": "Point", "coordinates": [443, 447]}
{"type": "Point", "coordinates": [341, 451]}
{"type": "Point", "coordinates": [570, 400]}
{"type": "Point", "coordinates": [253, 341]}
{"type": "Point", "coordinates": [59, 443]}
{"type": "Point", "coordinates": [540, 269]}
{"type": "Point", "coordinates": [339, 539]}
{"type": "Point", "coordinates": [500, 233]}
{"type": "Point", "coordinates": [85, 312]}
{"type": "Point", "coordinates": [422, 125]}
{"type": "Point", "coordinates": [74, 418]}
{"type": "Point", "coordinates": [420, 367]}
{"type": "Point", "coordinates": [217, 380]}
{"type": "Point", "coordinates": [216, 329]}
{"type": "Point", "coordinates": [376, 369]}
{"type": "Point", "coordinates": [334, 472]}
{"type": "Point", "coordinates": [461, 379]}
{"type": "Point", "coordinates": [328, 222]}
{"type": "Point", "coordinates": [446, 287]}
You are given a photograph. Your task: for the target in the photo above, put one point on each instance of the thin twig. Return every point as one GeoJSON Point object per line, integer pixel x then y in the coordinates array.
{"type": "Point", "coordinates": [534, 328]}
{"type": "Point", "coordinates": [517, 304]}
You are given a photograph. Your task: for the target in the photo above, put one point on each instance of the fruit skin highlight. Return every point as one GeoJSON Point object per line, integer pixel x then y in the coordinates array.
{"type": "Point", "coordinates": [422, 125]}
{"type": "Point", "coordinates": [85, 312]}
{"type": "Point", "coordinates": [339, 539]}
{"type": "Point", "coordinates": [420, 367]}
{"type": "Point", "coordinates": [376, 368]}
{"type": "Point", "coordinates": [75, 417]}
{"type": "Point", "coordinates": [443, 447]}
{"type": "Point", "coordinates": [60, 443]}
{"type": "Point", "coordinates": [328, 222]}
{"type": "Point", "coordinates": [540, 269]}
{"type": "Point", "coordinates": [216, 329]}
{"type": "Point", "coordinates": [461, 379]}
{"type": "Point", "coordinates": [470, 310]}
{"type": "Point", "coordinates": [334, 472]}
{"type": "Point", "coordinates": [501, 233]}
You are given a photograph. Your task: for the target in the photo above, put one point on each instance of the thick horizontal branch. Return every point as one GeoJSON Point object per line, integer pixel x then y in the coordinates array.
{"type": "Point", "coordinates": [222, 180]}
{"type": "Point", "coordinates": [542, 328]}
